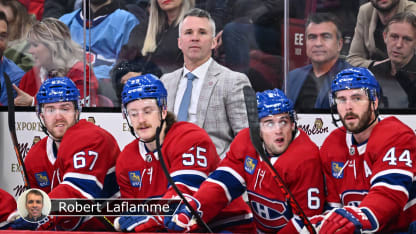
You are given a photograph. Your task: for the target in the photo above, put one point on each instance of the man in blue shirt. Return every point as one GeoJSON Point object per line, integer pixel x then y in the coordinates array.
{"type": "Point", "coordinates": [308, 86]}
{"type": "Point", "coordinates": [6, 65]}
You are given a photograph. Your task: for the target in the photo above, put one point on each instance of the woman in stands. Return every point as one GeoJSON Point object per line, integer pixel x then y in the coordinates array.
{"type": "Point", "coordinates": [55, 54]}
{"type": "Point", "coordinates": [153, 46]}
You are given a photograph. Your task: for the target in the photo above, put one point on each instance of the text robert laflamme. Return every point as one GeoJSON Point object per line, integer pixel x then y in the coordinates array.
{"type": "Point", "coordinates": [115, 207]}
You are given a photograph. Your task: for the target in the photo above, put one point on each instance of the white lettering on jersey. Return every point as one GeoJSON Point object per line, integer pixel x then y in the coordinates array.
{"type": "Point", "coordinates": [149, 173]}
{"type": "Point", "coordinates": [392, 159]}
{"type": "Point", "coordinates": [313, 201]}
{"type": "Point", "coordinates": [188, 159]}
{"type": "Point", "coordinates": [260, 173]}
{"type": "Point", "coordinates": [367, 170]}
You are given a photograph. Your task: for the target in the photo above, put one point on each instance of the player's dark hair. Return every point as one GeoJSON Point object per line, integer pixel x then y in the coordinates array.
{"type": "Point", "coordinates": [170, 120]}
{"type": "Point", "coordinates": [321, 17]}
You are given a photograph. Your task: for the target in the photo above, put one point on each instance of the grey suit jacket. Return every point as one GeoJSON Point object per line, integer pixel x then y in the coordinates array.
{"type": "Point", "coordinates": [363, 46]}
{"type": "Point", "coordinates": [221, 108]}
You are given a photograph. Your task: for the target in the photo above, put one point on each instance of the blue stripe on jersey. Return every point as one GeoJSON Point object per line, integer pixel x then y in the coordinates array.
{"type": "Point", "coordinates": [110, 186]}
{"type": "Point", "coordinates": [394, 179]}
{"type": "Point", "coordinates": [88, 186]}
{"type": "Point", "coordinates": [191, 180]}
{"type": "Point", "coordinates": [234, 187]}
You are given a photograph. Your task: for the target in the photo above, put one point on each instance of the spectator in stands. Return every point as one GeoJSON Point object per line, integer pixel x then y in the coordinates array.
{"type": "Point", "coordinates": [397, 76]}
{"type": "Point", "coordinates": [6, 66]}
{"type": "Point", "coordinates": [251, 41]}
{"type": "Point", "coordinates": [20, 22]}
{"type": "Point", "coordinates": [107, 31]}
{"type": "Point", "coordinates": [308, 86]}
{"type": "Point", "coordinates": [152, 46]}
{"type": "Point", "coordinates": [367, 46]}
{"type": "Point", "coordinates": [58, 8]}
{"type": "Point", "coordinates": [34, 7]}
{"type": "Point", "coordinates": [55, 54]}
{"type": "Point", "coordinates": [217, 94]}
{"type": "Point", "coordinates": [155, 40]}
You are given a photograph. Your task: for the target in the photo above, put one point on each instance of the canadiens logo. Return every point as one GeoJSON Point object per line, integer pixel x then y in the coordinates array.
{"type": "Point", "coordinates": [42, 179]}
{"type": "Point", "coordinates": [250, 164]}
{"type": "Point", "coordinates": [135, 179]}
{"type": "Point", "coordinates": [273, 214]}
{"type": "Point", "coordinates": [337, 171]}
{"type": "Point", "coordinates": [353, 197]}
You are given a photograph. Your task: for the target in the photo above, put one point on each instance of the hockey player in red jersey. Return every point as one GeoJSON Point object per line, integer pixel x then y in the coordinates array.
{"type": "Point", "coordinates": [188, 151]}
{"type": "Point", "coordinates": [293, 155]}
{"type": "Point", "coordinates": [76, 159]}
{"type": "Point", "coordinates": [7, 207]}
{"type": "Point", "coordinates": [368, 162]}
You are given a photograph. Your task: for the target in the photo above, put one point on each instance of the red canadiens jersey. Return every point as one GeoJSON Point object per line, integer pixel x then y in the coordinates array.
{"type": "Point", "coordinates": [7, 206]}
{"type": "Point", "coordinates": [190, 156]}
{"type": "Point", "coordinates": [243, 169]}
{"type": "Point", "coordinates": [377, 174]}
{"type": "Point", "coordinates": [83, 168]}
{"type": "Point", "coordinates": [39, 165]}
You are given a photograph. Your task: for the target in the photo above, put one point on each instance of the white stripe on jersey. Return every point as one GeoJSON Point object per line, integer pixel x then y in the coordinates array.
{"type": "Point", "coordinates": [334, 205]}
{"type": "Point", "coordinates": [392, 171]}
{"type": "Point", "coordinates": [185, 185]}
{"type": "Point", "coordinates": [49, 150]}
{"type": "Point", "coordinates": [189, 172]}
{"type": "Point", "coordinates": [85, 194]}
{"type": "Point", "coordinates": [392, 187]}
{"type": "Point", "coordinates": [234, 173]}
{"type": "Point", "coordinates": [84, 177]}
{"type": "Point", "coordinates": [111, 170]}
{"type": "Point", "coordinates": [227, 193]}
{"type": "Point", "coordinates": [409, 204]}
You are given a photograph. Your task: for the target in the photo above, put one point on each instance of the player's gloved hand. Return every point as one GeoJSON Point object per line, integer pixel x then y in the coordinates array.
{"type": "Point", "coordinates": [182, 220]}
{"type": "Point", "coordinates": [349, 219]}
{"type": "Point", "coordinates": [22, 224]}
{"type": "Point", "coordinates": [139, 223]}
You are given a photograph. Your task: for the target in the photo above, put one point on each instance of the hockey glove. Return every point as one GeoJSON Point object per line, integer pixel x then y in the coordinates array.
{"type": "Point", "coordinates": [349, 219]}
{"type": "Point", "coordinates": [182, 220]}
{"type": "Point", "coordinates": [139, 223]}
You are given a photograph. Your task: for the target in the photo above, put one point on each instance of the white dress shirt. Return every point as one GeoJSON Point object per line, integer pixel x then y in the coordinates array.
{"type": "Point", "coordinates": [200, 73]}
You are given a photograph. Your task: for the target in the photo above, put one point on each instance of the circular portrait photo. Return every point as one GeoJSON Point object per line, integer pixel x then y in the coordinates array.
{"type": "Point", "coordinates": [34, 205]}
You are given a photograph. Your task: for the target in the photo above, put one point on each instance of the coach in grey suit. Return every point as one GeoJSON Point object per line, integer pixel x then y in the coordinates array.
{"type": "Point", "coordinates": [217, 100]}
